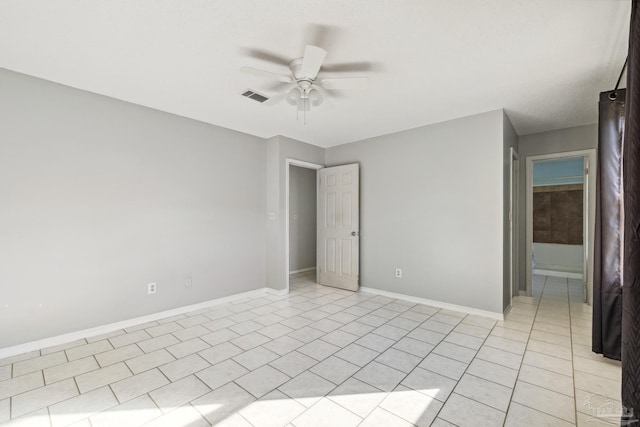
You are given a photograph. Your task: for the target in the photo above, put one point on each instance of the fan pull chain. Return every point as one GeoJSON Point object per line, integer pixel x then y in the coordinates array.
{"type": "Point", "coordinates": [304, 111]}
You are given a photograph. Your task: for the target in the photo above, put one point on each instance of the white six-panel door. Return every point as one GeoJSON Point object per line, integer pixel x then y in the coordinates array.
{"type": "Point", "coordinates": [338, 226]}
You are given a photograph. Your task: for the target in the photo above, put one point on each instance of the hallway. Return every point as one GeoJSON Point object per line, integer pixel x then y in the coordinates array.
{"type": "Point", "coordinates": [559, 372]}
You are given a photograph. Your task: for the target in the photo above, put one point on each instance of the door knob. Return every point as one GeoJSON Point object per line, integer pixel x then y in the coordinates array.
{"type": "Point", "coordinates": [354, 233]}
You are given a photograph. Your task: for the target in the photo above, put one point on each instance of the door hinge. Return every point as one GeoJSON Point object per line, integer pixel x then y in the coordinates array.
{"type": "Point", "coordinates": [586, 171]}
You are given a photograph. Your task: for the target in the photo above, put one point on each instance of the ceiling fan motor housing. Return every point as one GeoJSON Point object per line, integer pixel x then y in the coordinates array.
{"type": "Point", "coordinates": [296, 70]}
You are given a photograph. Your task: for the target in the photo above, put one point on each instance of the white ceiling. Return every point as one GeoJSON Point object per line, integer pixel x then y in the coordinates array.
{"type": "Point", "coordinates": [544, 61]}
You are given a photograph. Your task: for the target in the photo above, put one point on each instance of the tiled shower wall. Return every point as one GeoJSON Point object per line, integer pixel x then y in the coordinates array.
{"type": "Point", "coordinates": [557, 214]}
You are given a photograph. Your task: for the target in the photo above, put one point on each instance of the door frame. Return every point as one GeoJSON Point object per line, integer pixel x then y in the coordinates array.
{"type": "Point", "coordinates": [288, 163]}
{"type": "Point", "coordinates": [514, 222]}
{"type": "Point", "coordinates": [590, 214]}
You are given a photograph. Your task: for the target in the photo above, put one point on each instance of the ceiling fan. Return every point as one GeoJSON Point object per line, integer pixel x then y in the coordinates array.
{"type": "Point", "coordinates": [304, 88]}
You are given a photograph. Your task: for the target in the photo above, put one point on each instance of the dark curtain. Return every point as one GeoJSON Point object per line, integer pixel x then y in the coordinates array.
{"type": "Point", "coordinates": [607, 269]}
{"type": "Point", "coordinates": [631, 286]}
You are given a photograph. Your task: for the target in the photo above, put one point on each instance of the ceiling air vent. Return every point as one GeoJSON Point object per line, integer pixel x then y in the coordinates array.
{"type": "Point", "coordinates": [255, 96]}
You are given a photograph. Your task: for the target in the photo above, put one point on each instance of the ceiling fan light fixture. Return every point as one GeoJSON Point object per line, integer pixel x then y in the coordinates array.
{"type": "Point", "coordinates": [294, 95]}
{"type": "Point", "coordinates": [315, 97]}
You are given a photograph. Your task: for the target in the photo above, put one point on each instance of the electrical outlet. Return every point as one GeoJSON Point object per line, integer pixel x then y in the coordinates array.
{"type": "Point", "coordinates": [398, 273]}
{"type": "Point", "coordinates": [188, 282]}
{"type": "Point", "coordinates": [151, 288]}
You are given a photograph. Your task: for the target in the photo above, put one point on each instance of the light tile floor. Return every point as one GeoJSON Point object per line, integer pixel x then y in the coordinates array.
{"type": "Point", "coordinates": [326, 357]}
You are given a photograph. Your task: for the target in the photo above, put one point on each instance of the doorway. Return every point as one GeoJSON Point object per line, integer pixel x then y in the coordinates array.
{"type": "Point", "coordinates": [301, 222]}
{"type": "Point", "coordinates": [560, 217]}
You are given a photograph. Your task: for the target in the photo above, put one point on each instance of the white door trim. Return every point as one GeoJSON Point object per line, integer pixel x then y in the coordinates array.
{"type": "Point", "coordinates": [288, 163]}
{"type": "Point", "coordinates": [591, 214]}
{"type": "Point", "coordinates": [514, 169]}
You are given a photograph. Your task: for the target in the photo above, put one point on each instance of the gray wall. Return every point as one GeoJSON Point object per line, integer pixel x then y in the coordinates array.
{"type": "Point", "coordinates": [431, 203]}
{"type": "Point", "coordinates": [100, 197]}
{"type": "Point", "coordinates": [557, 141]}
{"type": "Point", "coordinates": [510, 140]}
{"type": "Point", "coordinates": [302, 218]}
{"type": "Point", "coordinates": [279, 149]}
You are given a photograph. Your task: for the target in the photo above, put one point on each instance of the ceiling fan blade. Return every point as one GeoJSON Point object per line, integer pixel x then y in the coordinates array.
{"type": "Point", "coordinates": [326, 102]}
{"type": "Point", "coordinates": [267, 74]}
{"type": "Point", "coordinates": [278, 87]}
{"type": "Point", "coordinates": [326, 36]}
{"type": "Point", "coordinates": [312, 61]}
{"type": "Point", "coordinates": [276, 98]}
{"type": "Point", "coordinates": [346, 83]}
{"type": "Point", "coordinates": [265, 55]}
{"type": "Point", "coordinates": [351, 67]}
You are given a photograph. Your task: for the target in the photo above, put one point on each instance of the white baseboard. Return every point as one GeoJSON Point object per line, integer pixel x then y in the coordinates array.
{"type": "Point", "coordinates": [433, 303]}
{"type": "Point", "coordinates": [506, 311]}
{"type": "Point", "coordinates": [99, 330]}
{"type": "Point", "coordinates": [556, 273]}
{"type": "Point", "coordinates": [302, 270]}
{"type": "Point", "coordinates": [278, 292]}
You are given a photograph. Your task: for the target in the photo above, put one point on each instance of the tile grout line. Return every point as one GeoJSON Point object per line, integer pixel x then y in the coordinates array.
{"type": "Point", "coordinates": [573, 371]}
{"type": "Point", "coordinates": [523, 404]}
{"type": "Point", "coordinates": [11, 397]}
{"type": "Point", "coordinates": [78, 388]}
{"type": "Point", "coordinates": [276, 388]}
{"type": "Point", "coordinates": [79, 394]}
{"type": "Point", "coordinates": [379, 353]}
{"type": "Point", "coordinates": [544, 285]}
{"type": "Point", "coordinates": [360, 368]}
{"type": "Point", "coordinates": [465, 372]}
{"type": "Point", "coordinates": [572, 376]}
{"type": "Point", "coordinates": [423, 358]}
{"type": "Point", "coordinates": [290, 378]}
{"type": "Point", "coordinates": [372, 332]}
